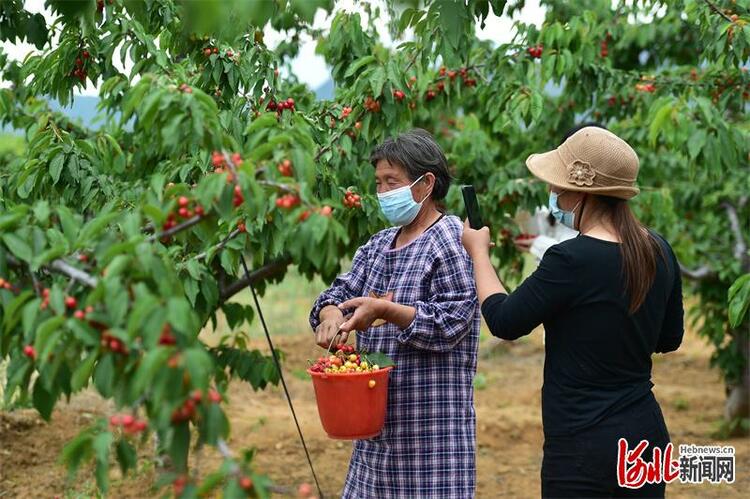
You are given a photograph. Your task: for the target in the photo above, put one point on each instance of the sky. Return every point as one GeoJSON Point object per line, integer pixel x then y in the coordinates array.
{"type": "Point", "coordinates": [309, 67]}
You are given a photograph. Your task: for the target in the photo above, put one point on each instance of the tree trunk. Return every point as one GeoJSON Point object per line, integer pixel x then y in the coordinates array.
{"type": "Point", "coordinates": [738, 393]}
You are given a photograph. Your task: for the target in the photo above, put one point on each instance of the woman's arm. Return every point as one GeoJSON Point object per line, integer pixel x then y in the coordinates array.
{"type": "Point", "coordinates": [477, 244]}
{"type": "Point", "coordinates": [672, 330]}
{"type": "Point", "coordinates": [442, 320]}
{"type": "Point", "coordinates": [325, 316]}
{"type": "Point", "coordinates": [545, 293]}
{"type": "Point", "coordinates": [488, 283]}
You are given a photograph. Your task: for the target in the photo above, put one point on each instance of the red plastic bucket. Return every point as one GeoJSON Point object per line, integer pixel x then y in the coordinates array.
{"type": "Point", "coordinates": [350, 407]}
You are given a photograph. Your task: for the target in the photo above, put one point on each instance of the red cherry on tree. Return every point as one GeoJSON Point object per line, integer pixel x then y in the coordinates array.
{"type": "Point", "coordinates": [29, 352]}
{"type": "Point", "coordinates": [183, 201]}
{"type": "Point", "coordinates": [214, 396]}
{"type": "Point", "coordinates": [246, 483]}
{"type": "Point", "coordinates": [70, 302]}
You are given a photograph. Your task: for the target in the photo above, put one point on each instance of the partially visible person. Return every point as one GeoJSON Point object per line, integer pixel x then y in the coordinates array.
{"type": "Point", "coordinates": [543, 231]}
{"type": "Point", "coordinates": [410, 294]}
{"type": "Point", "coordinates": [609, 299]}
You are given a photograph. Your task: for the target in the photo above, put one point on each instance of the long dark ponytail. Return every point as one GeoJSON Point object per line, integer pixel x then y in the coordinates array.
{"type": "Point", "coordinates": [640, 249]}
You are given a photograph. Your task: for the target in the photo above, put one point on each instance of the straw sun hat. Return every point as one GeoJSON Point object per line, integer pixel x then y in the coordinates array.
{"type": "Point", "coordinates": [591, 160]}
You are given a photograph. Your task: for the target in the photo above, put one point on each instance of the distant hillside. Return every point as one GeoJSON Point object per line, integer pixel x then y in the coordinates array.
{"type": "Point", "coordinates": [83, 107]}
{"type": "Point", "coordinates": [325, 91]}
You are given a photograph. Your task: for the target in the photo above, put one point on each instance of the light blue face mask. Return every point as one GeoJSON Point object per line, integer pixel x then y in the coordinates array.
{"type": "Point", "coordinates": [567, 218]}
{"type": "Point", "coordinates": [399, 206]}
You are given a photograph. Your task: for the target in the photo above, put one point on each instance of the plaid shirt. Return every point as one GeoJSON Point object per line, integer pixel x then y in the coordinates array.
{"type": "Point", "coordinates": [427, 447]}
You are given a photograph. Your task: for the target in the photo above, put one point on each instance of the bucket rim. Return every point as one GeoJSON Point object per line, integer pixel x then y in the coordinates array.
{"type": "Point", "coordinates": [354, 374]}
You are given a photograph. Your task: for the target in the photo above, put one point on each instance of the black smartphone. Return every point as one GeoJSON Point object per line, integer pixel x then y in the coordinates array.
{"type": "Point", "coordinates": [472, 207]}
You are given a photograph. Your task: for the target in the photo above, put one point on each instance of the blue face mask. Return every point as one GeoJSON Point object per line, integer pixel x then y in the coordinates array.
{"type": "Point", "coordinates": [399, 206]}
{"type": "Point", "coordinates": [567, 218]}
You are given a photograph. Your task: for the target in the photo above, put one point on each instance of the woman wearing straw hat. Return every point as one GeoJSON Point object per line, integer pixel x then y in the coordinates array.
{"type": "Point", "coordinates": [608, 299]}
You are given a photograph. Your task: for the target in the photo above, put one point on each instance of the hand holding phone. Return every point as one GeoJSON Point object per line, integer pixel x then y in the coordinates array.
{"type": "Point", "coordinates": [473, 212]}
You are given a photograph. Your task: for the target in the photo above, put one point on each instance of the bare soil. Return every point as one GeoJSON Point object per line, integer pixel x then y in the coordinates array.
{"type": "Point", "coordinates": [509, 428]}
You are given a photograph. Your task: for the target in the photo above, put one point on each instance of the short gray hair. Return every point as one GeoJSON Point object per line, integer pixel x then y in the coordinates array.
{"type": "Point", "coordinates": [416, 152]}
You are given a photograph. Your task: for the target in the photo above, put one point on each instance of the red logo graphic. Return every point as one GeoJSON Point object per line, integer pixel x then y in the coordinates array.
{"type": "Point", "coordinates": [633, 472]}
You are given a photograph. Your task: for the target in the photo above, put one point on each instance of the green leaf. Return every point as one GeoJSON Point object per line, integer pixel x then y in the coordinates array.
{"type": "Point", "coordinates": [126, 456]}
{"type": "Point", "coordinates": [18, 246]}
{"type": "Point", "coordinates": [104, 376]}
{"type": "Point", "coordinates": [83, 372]}
{"type": "Point", "coordinates": [199, 365]}
{"type": "Point", "coordinates": [181, 316]}
{"type": "Point", "coordinates": [234, 313]}
{"type": "Point", "coordinates": [78, 450]}
{"type": "Point", "coordinates": [56, 166]}
{"type": "Point", "coordinates": [660, 119]}
{"type": "Point", "coordinates": [359, 63]}
{"type": "Point", "coordinates": [44, 401]}
{"type": "Point", "coordinates": [216, 425]}
{"type": "Point", "coordinates": [11, 314]}
{"type": "Point", "coordinates": [379, 359]}
{"type": "Point", "coordinates": [377, 80]}
{"type": "Point", "coordinates": [47, 336]}
{"type": "Point", "coordinates": [94, 227]}
{"type": "Point", "coordinates": [696, 143]}
{"type": "Point", "coordinates": [101, 445]}
{"type": "Point", "coordinates": [179, 446]}
{"type": "Point", "coordinates": [153, 361]}
{"type": "Point", "coordinates": [739, 300]}
{"type": "Point", "coordinates": [68, 223]}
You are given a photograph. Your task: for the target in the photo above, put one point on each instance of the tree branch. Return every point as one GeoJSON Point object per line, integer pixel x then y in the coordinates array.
{"type": "Point", "coordinates": [740, 245]}
{"type": "Point", "coordinates": [717, 10]}
{"type": "Point", "coordinates": [79, 275]}
{"type": "Point", "coordinates": [195, 220]}
{"type": "Point", "coordinates": [262, 273]}
{"type": "Point", "coordinates": [61, 267]}
{"type": "Point", "coordinates": [221, 244]}
{"type": "Point", "coordinates": [278, 185]}
{"type": "Point", "coordinates": [698, 274]}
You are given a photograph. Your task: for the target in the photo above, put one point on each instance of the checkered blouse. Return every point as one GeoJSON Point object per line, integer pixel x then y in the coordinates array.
{"type": "Point", "coordinates": [427, 447]}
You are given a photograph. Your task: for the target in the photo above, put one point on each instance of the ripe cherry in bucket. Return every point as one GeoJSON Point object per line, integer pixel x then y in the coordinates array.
{"type": "Point", "coordinates": [345, 360]}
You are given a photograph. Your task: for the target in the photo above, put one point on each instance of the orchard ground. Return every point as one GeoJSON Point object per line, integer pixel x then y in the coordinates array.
{"type": "Point", "coordinates": [509, 432]}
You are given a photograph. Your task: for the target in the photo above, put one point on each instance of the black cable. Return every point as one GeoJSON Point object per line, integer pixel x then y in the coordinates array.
{"type": "Point", "coordinates": [281, 374]}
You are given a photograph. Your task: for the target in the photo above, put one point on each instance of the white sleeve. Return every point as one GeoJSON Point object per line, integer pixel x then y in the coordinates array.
{"type": "Point", "coordinates": [540, 245]}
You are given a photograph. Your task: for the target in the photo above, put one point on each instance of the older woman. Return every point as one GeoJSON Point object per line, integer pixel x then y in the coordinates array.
{"type": "Point", "coordinates": [410, 294]}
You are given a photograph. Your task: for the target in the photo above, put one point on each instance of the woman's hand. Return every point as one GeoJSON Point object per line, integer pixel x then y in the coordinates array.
{"type": "Point", "coordinates": [331, 320]}
{"type": "Point", "coordinates": [366, 311]}
{"type": "Point", "coordinates": [476, 242]}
